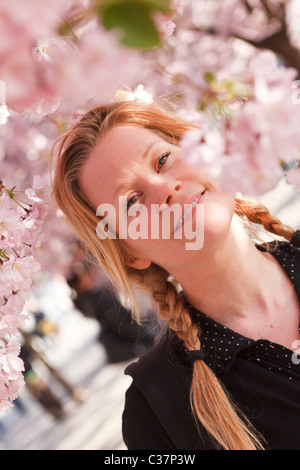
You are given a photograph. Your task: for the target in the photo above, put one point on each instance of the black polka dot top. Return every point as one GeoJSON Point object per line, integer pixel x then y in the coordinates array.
{"type": "Point", "coordinates": [221, 345]}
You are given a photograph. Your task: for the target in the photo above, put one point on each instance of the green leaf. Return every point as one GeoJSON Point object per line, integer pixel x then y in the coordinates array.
{"type": "Point", "coordinates": [209, 77]}
{"type": "Point", "coordinates": [10, 192]}
{"type": "Point", "coordinates": [161, 5]}
{"type": "Point", "coordinates": [65, 28]}
{"type": "Point", "coordinates": [133, 22]}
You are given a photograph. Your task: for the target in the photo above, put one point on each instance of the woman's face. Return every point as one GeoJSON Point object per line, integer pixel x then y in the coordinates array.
{"type": "Point", "coordinates": [133, 168]}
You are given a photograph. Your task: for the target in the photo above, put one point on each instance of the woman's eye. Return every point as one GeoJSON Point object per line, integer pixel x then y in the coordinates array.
{"type": "Point", "coordinates": [162, 160]}
{"type": "Point", "coordinates": [132, 201]}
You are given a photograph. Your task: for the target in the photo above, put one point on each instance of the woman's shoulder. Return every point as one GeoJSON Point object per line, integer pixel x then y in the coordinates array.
{"type": "Point", "coordinates": [288, 255]}
{"type": "Point", "coordinates": [165, 356]}
{"type": "Point", "coordinates": [141, 428]}
{"type": "Point", "coordinates": [292, 247]}
{"type": "Point", "coordinates": [296, 239]}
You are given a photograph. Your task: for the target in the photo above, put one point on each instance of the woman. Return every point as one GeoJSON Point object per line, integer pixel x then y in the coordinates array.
{"type": "Point", "coordinates": [231, 307]}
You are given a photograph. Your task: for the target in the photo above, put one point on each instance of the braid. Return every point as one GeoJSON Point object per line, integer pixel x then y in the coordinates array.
{"type": "Point", "coordinates": [171, 308]}
{"type": "Point", "coordinates": [164, 293]}
{"type": "Point", "coordinates": [259, 214]}
{"type": "Point", "coordinates": [210, 403]}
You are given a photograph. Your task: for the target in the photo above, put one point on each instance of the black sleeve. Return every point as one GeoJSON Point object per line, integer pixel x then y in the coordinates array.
{"type": "Point", "coordinates": [141, 428]}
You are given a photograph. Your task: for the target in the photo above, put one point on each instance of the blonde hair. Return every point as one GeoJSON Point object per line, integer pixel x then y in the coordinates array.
{"type": "Point", "coordinates": [210, 403]}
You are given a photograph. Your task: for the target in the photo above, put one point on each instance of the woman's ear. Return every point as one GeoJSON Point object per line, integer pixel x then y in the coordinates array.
{"type": "Point", "coordinates": [138, 263]}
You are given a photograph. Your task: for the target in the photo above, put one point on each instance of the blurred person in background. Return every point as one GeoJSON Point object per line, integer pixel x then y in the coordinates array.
{"type": "Point", "coordinates": [94, 296]}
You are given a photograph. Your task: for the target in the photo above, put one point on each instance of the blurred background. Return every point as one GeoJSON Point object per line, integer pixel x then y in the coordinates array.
{"type": "Point", "coordinates": [75, 348]}
{"type": "Point", "coordinates": [231, 67]}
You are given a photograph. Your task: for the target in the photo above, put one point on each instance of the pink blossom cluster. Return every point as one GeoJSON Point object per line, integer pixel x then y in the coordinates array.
{"type": "Point", "coordinates": [20, 159]}
{"type": "Point", "coordinates": [239, 96]}
{"type": "Point", "coordinates": [164, 22]}
{"type": "Point", "coordinates": [43, 67]}
{"type": "Point", "coordinates": [248, 145]}
{"type": "Point", "coordinates": [21, 218]}
{"type": "Point", "coordinates": [249, 19]}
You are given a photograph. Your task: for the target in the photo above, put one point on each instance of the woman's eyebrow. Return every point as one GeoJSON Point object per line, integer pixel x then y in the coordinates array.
{"type": "Point", "coordinates": [149, 148]}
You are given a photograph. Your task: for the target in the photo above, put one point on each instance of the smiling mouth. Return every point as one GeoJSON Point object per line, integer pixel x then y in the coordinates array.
{"type": "Point", "coordinates": [191, 207]}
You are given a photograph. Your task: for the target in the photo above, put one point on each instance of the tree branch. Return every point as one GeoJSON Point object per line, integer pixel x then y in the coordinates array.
{"type": "Point", "coordinates": [279, 43]}
{"type": "Point", "coordinates": [248, 7]}
{"type": "Point", "coordinates": [272, 13]}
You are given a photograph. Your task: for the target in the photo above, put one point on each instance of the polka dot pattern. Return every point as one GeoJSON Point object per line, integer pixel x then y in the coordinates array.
{"type": "Point", "coordinates": [221, 345]}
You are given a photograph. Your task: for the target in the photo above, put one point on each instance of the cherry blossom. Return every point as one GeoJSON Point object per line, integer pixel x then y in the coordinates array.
{"type": "Point", "coordinates": [20, 223]}
{"type": "Point", "coordinates": [138, 94]}
{"type": "Point", "coordinates": [11, 377]}
{"type": "Point", "coordinates": [9, 360]}
{"type": "Point", "coordinates": [4, 114]}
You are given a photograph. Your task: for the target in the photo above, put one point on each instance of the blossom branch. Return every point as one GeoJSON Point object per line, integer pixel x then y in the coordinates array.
{"type": "Point", "coordinates": [20, 231]}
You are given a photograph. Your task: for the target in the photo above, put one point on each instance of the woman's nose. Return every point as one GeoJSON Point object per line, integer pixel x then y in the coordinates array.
{"type": "Point", "coordinates": [174, 188]}
{"type": "Point", "coordinates": [167, 192]}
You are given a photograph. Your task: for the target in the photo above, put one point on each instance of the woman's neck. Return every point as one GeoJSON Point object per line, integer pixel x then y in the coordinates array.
{"type": "Point", "coordinates": [233, 280]}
